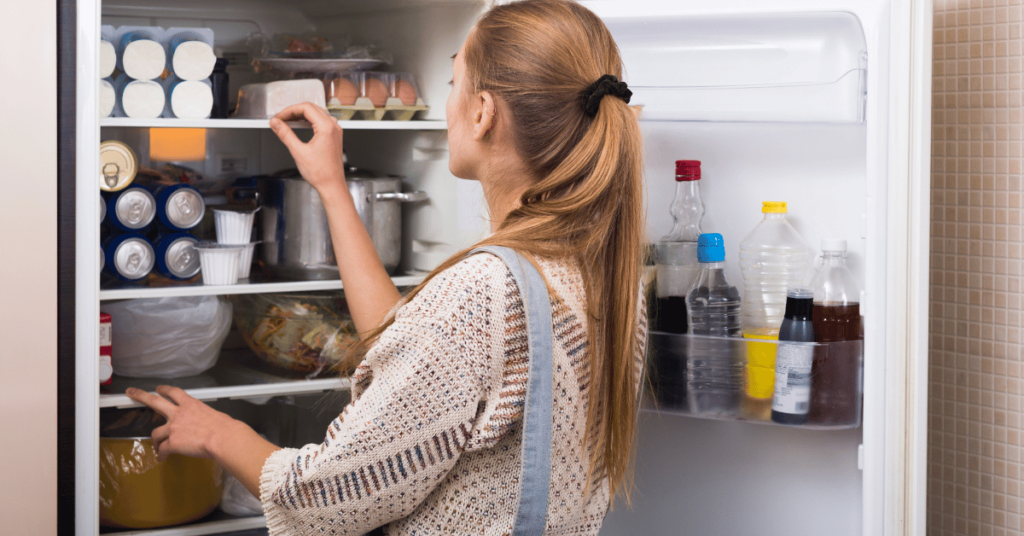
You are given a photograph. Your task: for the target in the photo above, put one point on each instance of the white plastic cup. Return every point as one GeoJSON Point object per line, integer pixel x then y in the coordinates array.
{"type": "Point", "coordinates": [219, 263]}
{"type": "Point", "coordinates": [233, 228]}
{"type": "Point", "coordinates": [245, 260]}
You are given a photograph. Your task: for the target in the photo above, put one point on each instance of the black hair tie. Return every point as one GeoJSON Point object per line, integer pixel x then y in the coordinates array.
{"type": "Point", "coordinates": [606, 85]}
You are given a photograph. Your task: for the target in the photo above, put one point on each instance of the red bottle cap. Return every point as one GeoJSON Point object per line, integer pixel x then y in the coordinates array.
{"type": "Point", "coordinates": [687, 170]}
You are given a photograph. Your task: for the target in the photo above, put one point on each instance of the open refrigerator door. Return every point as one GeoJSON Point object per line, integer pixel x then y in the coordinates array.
{"type": "Point", "coordinates": [804, 102]}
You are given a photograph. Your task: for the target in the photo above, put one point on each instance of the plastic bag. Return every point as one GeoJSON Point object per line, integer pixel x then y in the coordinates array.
{"type": "Point", "coordinates": [168, 337]}
{"type": "Point", "coordinates": [237, 501]}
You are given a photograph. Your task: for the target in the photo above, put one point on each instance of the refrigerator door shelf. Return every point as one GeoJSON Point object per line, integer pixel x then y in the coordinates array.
{"type": "Point", "coordinates": [710, 377]}
{"type": "Point", "coordinates": [786, 67]}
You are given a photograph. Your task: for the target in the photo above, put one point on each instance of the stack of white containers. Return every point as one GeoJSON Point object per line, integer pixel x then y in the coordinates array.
{"type": "Point", "coordinates": [162, 72]}
{"type": "Point", "coordinates": [230, 258]}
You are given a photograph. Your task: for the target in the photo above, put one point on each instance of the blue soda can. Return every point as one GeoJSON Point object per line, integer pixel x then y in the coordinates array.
{"type": "Point", "coordinates": [132, 209]}
{"type": "Point", "coordinates": [176, 256]}
{"type": "Point", "coordinates": [129, 256]}
{"type": "Point", "coordinates": [179, 207]}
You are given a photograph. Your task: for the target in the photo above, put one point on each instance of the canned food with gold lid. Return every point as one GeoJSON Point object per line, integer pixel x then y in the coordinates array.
{"type": "Point", "coordinates": [118, 166]}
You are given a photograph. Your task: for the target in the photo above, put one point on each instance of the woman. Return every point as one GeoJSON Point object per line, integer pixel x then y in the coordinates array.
{"type": "Point", "coordinates": [431, 443]}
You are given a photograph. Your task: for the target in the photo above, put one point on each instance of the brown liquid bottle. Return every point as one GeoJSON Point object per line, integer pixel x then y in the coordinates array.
{"type": "Point", "coordinates": [836, 371]}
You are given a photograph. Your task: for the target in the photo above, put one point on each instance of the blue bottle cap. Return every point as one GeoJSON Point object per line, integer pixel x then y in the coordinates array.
{"type": "Point", "coordinates": [710, 248]}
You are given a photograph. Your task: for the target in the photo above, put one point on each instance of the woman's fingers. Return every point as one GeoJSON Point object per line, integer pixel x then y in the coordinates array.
{"type": "Point", "coordinates": [286, 135]}
{"type": "Point", "coordinates": [160, 436]}
{"type": "Point", "coordinates": [157, 403]}
{"type": "Point", "coordinates": [174, 394]}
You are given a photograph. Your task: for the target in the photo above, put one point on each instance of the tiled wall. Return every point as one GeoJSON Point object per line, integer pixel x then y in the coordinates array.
{"type": "Point", "coordinates": [974, 439]}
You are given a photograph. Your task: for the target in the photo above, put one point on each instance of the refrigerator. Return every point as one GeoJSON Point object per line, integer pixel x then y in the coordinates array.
{"type": "Point", "coordinates": [823, 104]}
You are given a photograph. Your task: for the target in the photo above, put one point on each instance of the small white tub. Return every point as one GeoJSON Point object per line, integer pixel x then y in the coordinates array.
{"type": "Point", "coordinates": [219, 263]}
{"type": "Point", "coordinates": [245, 260]}
{"type": "Point", "coordinates": [233, 227]}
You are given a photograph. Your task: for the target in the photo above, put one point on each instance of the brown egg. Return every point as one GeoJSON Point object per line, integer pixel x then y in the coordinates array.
{"type": "Point", "coordinates": [405, 92]}
{"type": "Point", "coordinates": [376, 91]}
{"type": "Point", "coordinates": [345, 91]}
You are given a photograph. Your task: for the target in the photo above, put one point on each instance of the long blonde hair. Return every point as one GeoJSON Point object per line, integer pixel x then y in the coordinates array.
{"type": "Point", "coordinates": [538, 56]}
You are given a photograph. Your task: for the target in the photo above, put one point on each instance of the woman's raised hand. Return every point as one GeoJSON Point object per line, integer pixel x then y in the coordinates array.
{"type": "Point", "coordinates": [321, 161]}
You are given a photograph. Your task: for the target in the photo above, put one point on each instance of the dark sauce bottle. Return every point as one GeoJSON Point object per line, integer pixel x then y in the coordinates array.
{"type": "Point", "coordinates": [794, 362]}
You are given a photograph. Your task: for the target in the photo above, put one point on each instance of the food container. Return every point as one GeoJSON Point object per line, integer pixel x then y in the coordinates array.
{"type": "Point", "coordinates": [106, 368]}
{"type": "Point", "coordinates": [296, 235]}
{"type": "Point", "coordinates": [137, 492]}
{"type": "Point", "coordinates": [219, 263]}
{"type": "Point", "coordinates": [299, 332]}
{"type": "Point", "coordinates": [234, 227]}
{"type": "Point", "coordinates": [263, 101]}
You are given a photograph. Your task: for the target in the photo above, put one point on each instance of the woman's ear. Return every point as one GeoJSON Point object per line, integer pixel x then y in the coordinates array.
{"type": "Point", "coordinates": [484, 115]}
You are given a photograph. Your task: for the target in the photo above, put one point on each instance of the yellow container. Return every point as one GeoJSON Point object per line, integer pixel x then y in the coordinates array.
{"type": "Point", "coordinates": [137, 492]}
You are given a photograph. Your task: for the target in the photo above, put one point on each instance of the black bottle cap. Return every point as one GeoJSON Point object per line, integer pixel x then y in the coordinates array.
{"type": "Point", "coordinates": [799, 303]}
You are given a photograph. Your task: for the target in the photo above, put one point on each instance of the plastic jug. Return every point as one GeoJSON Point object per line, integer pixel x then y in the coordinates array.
{"type": "Point", "coordinates": [773, 258]}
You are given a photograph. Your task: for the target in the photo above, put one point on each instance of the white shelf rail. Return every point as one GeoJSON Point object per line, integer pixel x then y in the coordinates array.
{"type": "Point", "coordinates": [235, 392]}
{"type": "Point", "coordinates": [129, 292]}
{"type": "Point", "coordinates": [265, 124]}
{"type": "Point", "coordinates": [199, 529]}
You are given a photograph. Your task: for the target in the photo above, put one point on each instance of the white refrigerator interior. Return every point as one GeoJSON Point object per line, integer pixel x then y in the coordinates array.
{"type": "Point", "coordinates": [790, 100]}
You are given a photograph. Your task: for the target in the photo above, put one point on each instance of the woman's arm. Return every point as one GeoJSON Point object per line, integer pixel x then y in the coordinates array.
{"type": "Point", "coordinates": [197, 430]}
{"type": "Point", "coordinates": [368, 289]}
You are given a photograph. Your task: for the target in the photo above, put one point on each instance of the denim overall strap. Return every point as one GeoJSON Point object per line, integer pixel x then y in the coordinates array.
{"type": "Point", "coordinates": [535, 473]}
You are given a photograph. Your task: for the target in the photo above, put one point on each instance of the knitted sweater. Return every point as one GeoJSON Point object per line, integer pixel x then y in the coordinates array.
{"type": "Point", "coordinates": [430, 443]}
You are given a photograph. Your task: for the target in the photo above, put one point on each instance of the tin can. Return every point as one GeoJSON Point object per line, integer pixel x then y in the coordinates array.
{"type": "Point", "coordinates": [132, 209]}
{"type": "Point", "coordinates": [179, 207]}
{"type": "Point", "coordinates": [106, 368]}
{"type": "Point", "coordinates": [118, 166]}
{"type": "Point", "coordinates": [103, 210]}
{"type": "Point", "coordinates": [176, 256]}
{"type": "Point", "coordinates": [129, 256]}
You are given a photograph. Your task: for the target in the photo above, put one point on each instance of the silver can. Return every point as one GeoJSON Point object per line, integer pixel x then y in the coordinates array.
{"type": "Point", "coordinates": [180, 207]}
{"type": "Point", "coordinates": [130, 256]}
{"type": "Point", "coordinates": [132, 209]}
{"type": "Point", "coordinates": [176, 256]}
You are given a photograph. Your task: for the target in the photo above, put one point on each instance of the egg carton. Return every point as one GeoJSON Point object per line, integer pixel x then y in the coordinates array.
{"type": "Point", "coordinates": [364, 110]}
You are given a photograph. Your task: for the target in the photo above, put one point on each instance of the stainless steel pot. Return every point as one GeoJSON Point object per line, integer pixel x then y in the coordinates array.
{"type": "Point", "coordinates": [296, 237]}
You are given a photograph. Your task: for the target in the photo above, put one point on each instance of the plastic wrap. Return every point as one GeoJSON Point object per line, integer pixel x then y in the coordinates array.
{"type": "Point", "coordinates": [307, 333]}
{"type": "Point", "coordinates": [136, 491]}
{"type": "Point", "coordinates": [704, 377]}
{"type": "Point", "coordinates": [238, 501]}
{"type": "Point", "coordinates": [263, 101]}
{"type": "Point", "coordinates": [168, 337]}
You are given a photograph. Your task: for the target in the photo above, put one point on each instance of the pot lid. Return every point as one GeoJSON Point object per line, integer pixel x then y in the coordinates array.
{"type": "Point", "coordinates": [352, 173]}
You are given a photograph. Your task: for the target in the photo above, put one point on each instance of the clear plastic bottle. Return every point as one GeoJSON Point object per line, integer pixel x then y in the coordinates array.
{"type": "Point", "coordinates": [773, 258]}
{"type": "Point", "coordinates": [676, 261]}
{"type": "Point", "coordinates": [836, 375]}
{"type": "Point", "coordinates": [715, 373]}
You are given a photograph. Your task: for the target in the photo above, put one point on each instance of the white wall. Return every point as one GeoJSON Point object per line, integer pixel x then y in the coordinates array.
{"type": "Point", "coordinates": [28, 269]}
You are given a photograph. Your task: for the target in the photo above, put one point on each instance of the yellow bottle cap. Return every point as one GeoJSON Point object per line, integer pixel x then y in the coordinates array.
{"type": "Point", "coordinates": [773, 207]}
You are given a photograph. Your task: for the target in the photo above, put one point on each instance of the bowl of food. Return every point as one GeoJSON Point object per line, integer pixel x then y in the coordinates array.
{"type": "Point", "coordinates": [307, 333]}
{"type": "Point", "coordinates": [138, 492]}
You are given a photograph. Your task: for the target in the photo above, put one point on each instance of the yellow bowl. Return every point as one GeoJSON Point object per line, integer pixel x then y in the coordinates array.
{"type": "Point", "coordinates": [137, 492]}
